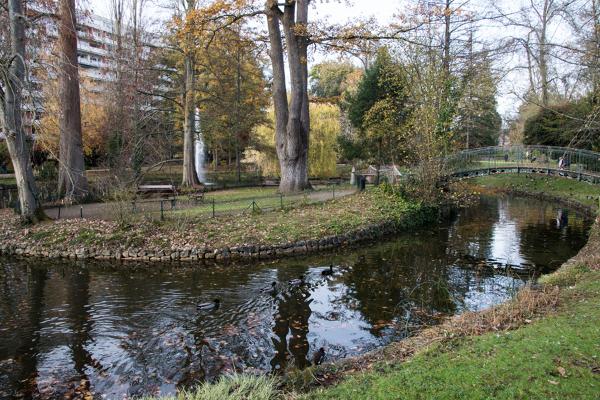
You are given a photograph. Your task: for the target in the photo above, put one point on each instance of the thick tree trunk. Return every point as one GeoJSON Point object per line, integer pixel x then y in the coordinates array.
{"type": "Point", "coordinates": [190, 178]}
{"type": "Point", "coordinates": [71, 178]}
{"type": "Point", "coordinates": [11, 119]}
{"type": "Point", "coordinates": [292, 121]}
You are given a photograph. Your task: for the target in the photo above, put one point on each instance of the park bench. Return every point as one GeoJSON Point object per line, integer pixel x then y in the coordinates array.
{"type": "Point", "coordinates": [270, 182]}
{"type": "Point", "coordinates": [336, 180]}
{"type": "Point", "coordinates": [162, 190]}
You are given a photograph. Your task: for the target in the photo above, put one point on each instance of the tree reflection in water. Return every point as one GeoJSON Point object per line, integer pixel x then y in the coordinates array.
{"type": "Point", "coordinates": [291, 327]}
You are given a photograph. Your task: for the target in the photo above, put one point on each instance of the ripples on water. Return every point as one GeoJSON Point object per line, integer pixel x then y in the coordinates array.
{"type": "Point", "coordinates": [121, 330]}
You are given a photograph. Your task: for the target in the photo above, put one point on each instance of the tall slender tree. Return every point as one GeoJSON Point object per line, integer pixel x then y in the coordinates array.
{"type": "Point", "coordinates": [71, 178]}
{"type": "Point", "coordinates": [190, 177]}
{"type": "Point", "coordinates": [12, 78]}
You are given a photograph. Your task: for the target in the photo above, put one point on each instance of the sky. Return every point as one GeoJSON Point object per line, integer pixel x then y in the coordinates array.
{"type": "Point", "coordinates": [339, 11]}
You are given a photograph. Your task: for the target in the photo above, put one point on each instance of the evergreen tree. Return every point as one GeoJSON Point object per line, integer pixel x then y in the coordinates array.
{"type": "Point", "coordinates": [478, 121]}
{"type": "Point", "coordinates": [378, 110]}
{"type": "Point", "coordinates": [328, 79]}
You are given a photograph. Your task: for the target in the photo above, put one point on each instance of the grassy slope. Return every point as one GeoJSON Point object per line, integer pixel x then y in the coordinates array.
{"type": "Point", "coordinates": [554, 357]}
{"type": "Point", "coordinates": [8, 182]}
{"type": "Point", "coordinates": [570, 189]}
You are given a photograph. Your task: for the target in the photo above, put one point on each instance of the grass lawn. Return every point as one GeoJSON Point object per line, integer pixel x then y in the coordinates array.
{"type": "Point", "coordinates": [303, 222]}
{"type": "Point", "coordinates": [186, 230]}
{"type": "Point", "coordinates": [265, 199]}
{"type": "Point", "coordinates": [8, 182]}
{"type": "Point", "coordinates": [570, 189]}
{"type": "Point", "coordinates": [557, 357]}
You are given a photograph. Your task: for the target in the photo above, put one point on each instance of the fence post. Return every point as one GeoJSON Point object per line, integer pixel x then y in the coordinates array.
{"type": "Point", "coordinates": [281, 199]}
{"type": "Point", "coordinates": [162, 211]}
{"type": "Point", "coordinates": [81, 212]}
{"type": "Point", "coordinates": [59, 207]}
{"type": "Point", "coordinates": [213, 207]}
{"type": "Point", "coordinates": [253, 206]}
{"type": "Point", "coordinates": [333, 192]}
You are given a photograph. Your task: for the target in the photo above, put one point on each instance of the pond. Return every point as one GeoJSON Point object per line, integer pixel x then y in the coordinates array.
{"type": "Point", "coordinates": [71, 328]}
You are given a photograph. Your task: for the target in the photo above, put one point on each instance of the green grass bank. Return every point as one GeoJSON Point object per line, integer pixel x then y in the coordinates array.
{"type": "Point", "coordinates": [185, 236]}
{"type": "Point", "coordinates": [563, 189]}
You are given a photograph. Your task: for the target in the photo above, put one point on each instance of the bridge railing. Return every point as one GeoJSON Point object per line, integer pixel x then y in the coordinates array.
{"type": "Point", "coordinates": [528, 157]}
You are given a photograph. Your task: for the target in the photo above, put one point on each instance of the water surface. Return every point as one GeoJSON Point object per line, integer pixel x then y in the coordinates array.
{"type": "Point", "coordinates": [69, 329]}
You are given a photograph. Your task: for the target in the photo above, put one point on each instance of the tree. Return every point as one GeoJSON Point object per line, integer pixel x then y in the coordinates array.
{"type": "Point", "coordinates": [564, 125]}
{"type": "Point", "coordinates": [477, 120]}
{"type": "Point", "coordinates": [190, 177]}
{"type": "Point", "coordinates": [379, 108]}
{"type": "Point", "coordinates": [534, 22]}
{"type": "Point", "coordinates": [367, 93]}
{"type": "Point", "coordinates": [325, 129]}
{"type": "Point", "coordinates": [94, 121]}
{"type": "Point", "coordinates": [328, 79]}
{"type": "Point", "coordinates": [71, 178]}
{"type": "Point", "coordinates": [12, 80]}
{"type": "Point", "coordinates": [292, 119]}
{"type": "Point", "coordinates": [590, 39]}
{"type": "Point", "coordinates": [135, 95]}
{"type": "Point", "coordinates": [232, 92]}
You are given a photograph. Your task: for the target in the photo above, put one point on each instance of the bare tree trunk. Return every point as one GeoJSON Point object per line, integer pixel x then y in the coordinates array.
{"type": "Point", "coordinates": [543, 56]}
{"type": "Point", "coordinates": [71, 178]}
{"type": "Point", "coordinates": [11, 119]}
{"type": "Point", "coordinates": [447, 38]}
{"type": "Point", "coordinates": [190, 178]}
{"type": "Point", "coordinates": [238, 101]}
{"type": "Point", "coordinates": [292, 121]}
{"type": "Point", "coordinates": [530, 72]}
{"type": "Point", "coordinates": [215, 158]}
{"type": "Point", "coordinates": [595, 52]}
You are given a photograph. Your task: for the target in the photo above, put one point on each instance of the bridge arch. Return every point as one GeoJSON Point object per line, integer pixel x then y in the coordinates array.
{"type": "Point", "coordinates": [583, 165]}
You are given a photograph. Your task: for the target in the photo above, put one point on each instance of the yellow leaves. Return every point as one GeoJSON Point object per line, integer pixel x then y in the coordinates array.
{"type": "Point", "coordinates": [324, 130]}
{"type": "Point", "coordinates": [192, 29]}
{"type": "Point", "coordinates": [93, 119]}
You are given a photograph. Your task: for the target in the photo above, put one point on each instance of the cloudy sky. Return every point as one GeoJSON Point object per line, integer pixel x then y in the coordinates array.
{"type": "Point", "coordinates": [339, 11]}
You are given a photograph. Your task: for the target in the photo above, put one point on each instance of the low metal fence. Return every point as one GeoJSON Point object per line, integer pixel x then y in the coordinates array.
{"type": "Point", "coordinates": [211, 205]}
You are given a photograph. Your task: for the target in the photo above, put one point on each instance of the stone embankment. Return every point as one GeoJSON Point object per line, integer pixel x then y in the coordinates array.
{"type": "Point", "coordinates": [364, 234]}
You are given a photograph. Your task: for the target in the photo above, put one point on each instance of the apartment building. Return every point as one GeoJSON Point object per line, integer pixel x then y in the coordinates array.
{"type": "Point", "coordinates": [95, 47]}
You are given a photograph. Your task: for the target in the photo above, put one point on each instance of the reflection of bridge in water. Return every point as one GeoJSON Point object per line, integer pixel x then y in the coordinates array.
{"type": "Point", "coordinates": [583, 165]}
